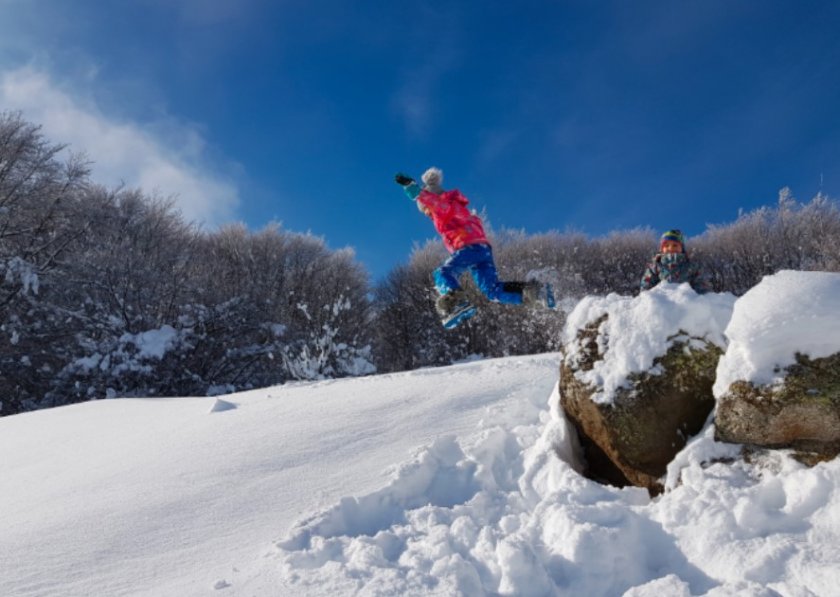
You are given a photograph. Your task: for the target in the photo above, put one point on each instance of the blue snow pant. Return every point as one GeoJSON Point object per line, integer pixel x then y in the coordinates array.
{"type": "Point", "coordinates": [478, 259]}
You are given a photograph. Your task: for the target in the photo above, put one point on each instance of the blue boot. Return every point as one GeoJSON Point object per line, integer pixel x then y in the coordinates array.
{"type": "Point", "coordinates": [454, 308]}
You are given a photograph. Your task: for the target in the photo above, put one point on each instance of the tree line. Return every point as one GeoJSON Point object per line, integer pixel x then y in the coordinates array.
{"type": "Point", "coordinates": [108, 292]}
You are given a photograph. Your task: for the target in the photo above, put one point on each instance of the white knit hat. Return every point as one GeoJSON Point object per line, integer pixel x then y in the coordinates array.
{"type": "Point", "coordinates": [433, 179]}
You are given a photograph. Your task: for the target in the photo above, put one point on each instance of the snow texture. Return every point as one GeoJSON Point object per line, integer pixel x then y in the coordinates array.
{"type": "Point", "coordinates": [480, 494]}
{"type": "Point", "coordinates": [21, 272]}
{"type": "Point", "coordinates": [152, 343]}
{"type": "Point", "coordinates": [639, 329]}
{"type": "Point", "coordinates": [786, 313]}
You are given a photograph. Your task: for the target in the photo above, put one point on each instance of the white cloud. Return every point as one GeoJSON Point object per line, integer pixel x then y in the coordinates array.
{"type": "Point", "coordinates": [415, 108]}
{"type": "Point", "coordinates": [416, 101]}
{"type": "Point", "coordinates": [169, 158]}
{"type": "Point", "coordinates": [495, 144]}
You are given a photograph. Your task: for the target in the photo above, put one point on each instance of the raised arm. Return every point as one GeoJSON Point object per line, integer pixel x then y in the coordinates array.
{"type": "Point", "coordinates": [409, 185]}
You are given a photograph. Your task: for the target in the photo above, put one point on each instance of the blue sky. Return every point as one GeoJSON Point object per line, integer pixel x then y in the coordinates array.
{"type": "Point", "coordinates": [594, 116]}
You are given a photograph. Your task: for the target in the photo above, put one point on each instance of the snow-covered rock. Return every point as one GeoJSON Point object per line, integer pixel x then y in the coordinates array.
{"type": "Point", "coordinates": [637, 375]}
{"type": "Point", "coordinates": [778, 385]}
{"type": "Point", "coordinates": [639, 330]}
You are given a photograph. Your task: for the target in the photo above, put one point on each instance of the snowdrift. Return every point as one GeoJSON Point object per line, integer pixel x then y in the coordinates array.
{"type": "Point", "coordinates": [459, 480]}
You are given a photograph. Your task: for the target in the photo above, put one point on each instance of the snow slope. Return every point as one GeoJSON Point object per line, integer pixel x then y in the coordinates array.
{"type": "Point", "coordinates": [163, 497]}
{"type": "Point", "coordinates": [458, 480]}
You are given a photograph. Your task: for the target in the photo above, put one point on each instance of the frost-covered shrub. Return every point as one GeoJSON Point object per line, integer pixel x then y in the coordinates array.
{"type": "Point", "coordinates": [321, 354]}
{"type": "Point", "coordinates": [85, 269]}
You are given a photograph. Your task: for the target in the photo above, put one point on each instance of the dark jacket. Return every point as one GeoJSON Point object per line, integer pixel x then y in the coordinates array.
{"type": "Point", "coordinates": [675, 268]}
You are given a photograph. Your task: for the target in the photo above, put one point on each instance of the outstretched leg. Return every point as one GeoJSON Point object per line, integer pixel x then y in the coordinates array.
{"type": "Point", "coordinates": [487, 279]}
{"type": "Point", "coordinates": [530, 293]}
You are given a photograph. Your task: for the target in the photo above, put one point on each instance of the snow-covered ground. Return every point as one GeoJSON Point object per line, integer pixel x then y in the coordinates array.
{"type": "Point", "coordinates": [445, 481]}
{"type": "Point", "coordinates": [458, 480]}
{"type": "Point", "coordinates": [164, 497]}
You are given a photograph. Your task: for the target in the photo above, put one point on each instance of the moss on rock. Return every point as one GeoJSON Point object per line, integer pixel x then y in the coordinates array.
{"type": "Point", "coordinates": [802, 412]}
{"type": "Point", "coordinates": [651, 419]}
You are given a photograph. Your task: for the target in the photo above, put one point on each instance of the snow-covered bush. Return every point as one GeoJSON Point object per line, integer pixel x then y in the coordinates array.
{"type": "Point", "coordinates": [321, 354]}
{"type": "Point", "coordinates": [84, 268]}
{"type": "Point", "coordinates": [789, 235]}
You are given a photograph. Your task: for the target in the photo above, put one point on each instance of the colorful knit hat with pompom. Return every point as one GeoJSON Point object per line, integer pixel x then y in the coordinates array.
{"type": "Point", "coordinates": [672, 235]}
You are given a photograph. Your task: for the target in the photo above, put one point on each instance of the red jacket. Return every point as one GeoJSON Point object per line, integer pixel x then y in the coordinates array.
{"type": "Point", "coordinates": [452, 219]}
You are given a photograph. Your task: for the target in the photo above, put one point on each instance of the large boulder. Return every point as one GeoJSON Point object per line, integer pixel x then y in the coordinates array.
{"type": "Point", "coordinates": [778, 385]}
{"type": "Point", "coordinates": [636, 378]}
{"type": "Point", "coordinates": [802, 412]}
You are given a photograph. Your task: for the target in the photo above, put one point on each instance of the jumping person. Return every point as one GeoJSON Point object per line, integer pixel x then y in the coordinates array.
{"type": "Point", "coordinates": [463, 235]}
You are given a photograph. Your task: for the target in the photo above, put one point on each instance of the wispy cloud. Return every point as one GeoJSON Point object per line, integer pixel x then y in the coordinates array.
{"type": "Point", "coordinates": [169, 158]}
{"type": "Point", "coordinates": [207, 12]}
{"type": "Point", "coordinates": [415, 100]}
{"type": "Point", "coordinates": [495, 143]}
{"type": "Point", "coordinates": [415, 107]}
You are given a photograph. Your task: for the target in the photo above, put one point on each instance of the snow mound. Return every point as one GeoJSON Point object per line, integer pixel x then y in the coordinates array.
{"type": "Point", "coordinates": [785, 313]}
{"type": "Point", "coordinates": [468, 517]}
{"type": "Point", "coordinates": [759, 528]}
{"type": "Point", "coordinates": [220, 405]}
{"type": "Point", "coordinates": [506, 513]}
{"type": "Point", "coordinates": [639, 329]}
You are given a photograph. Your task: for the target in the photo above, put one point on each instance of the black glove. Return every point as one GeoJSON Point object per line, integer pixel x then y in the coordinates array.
{"type": "Point", "coordinates": [403, 180]}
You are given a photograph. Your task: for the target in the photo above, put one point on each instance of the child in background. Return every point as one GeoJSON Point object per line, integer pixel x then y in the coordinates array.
{"type": "Point", "coordinates": [672, 264]}
{"type": "Point", "coordinates": [463, 235]}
